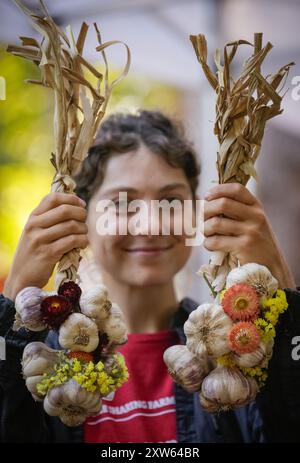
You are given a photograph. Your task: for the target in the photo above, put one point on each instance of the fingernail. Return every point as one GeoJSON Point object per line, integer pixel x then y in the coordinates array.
{"type": "Point", "coordinates": [208, 196]}
{"type": "Point", "coordinates": [83, 202]}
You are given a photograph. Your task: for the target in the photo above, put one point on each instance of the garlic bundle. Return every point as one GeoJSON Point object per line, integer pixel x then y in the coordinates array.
{"type": "Point", "coordinates": [79, 333]}
{"type": "Point", "coordinates": [225, 388]}
{"type": "Point", "coordinates": [72, 403]}
{"type": "Point", "coordinates": [28, 304]}
{"type": "Point", "coordinates": [94, 303]}
{"type": "Point", "coordinates": [255, 275]}
{"type": "Point", "coordinates": [207, 330]}
{"type": "Point", "coordinates": [52, 376]}
{"type": "Point", "coordinates": [259, 358]}
{"type": "Point", "coordinates": [114, 327]}
{"type": "Point", "coordinates": [38, 359]}
{"type": "Point", "coordinates": [185, 368]}
{"type": "Point", "coordinates": [77, 120]}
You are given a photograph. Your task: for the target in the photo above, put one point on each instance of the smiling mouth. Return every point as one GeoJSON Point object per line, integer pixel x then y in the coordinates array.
{"type": "Point", "coordinates": [153, 251]}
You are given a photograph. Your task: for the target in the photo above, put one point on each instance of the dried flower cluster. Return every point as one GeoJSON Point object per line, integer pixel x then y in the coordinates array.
{"type": "Point", "coordinates": [90, 328]}
{"type": "Point", "coordinates": [229, 343]}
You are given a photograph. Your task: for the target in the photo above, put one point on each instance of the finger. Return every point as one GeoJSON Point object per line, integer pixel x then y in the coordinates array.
{"type": "Point", "coordinates": [53, 200]}
{"type": "Point", "coordinates": [60, 214]}
{"type": "Point", "coordinates": [222, 243]}
{"type": "Point", "coordinates": [234, 191]}
{"type": "Point", "coordinates": [223, 226]}
{"type": "Point", "coordinates": [60, 247]}
{"type": "Point", "coordinates": [58, 231]}
{"type": "Point", "coordinates": [228, 207]}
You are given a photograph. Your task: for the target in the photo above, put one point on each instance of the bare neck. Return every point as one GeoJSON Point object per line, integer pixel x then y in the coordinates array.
{"type": "Point", "coordinates": [146, 309]}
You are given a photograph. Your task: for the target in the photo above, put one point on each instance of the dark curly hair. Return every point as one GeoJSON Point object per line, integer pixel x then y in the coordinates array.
{"type": "Point", "coordinates": [121, 133]}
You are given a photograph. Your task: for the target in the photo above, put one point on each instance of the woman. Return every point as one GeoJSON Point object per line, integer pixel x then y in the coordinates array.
{"type": "Point", "coordinates": [147, 156]}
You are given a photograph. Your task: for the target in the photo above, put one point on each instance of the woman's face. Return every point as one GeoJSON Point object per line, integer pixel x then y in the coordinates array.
{"type": "Point", "coordinates": [144, 259]}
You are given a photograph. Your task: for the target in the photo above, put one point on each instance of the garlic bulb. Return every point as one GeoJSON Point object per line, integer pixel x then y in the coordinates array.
{"type": "Point", "coordinates": [31, 384]}
{"type": "Point", "coordinates": [39, 359]}
{"type": "Point", "coordinates": [28, 304]}
{"type": "Point", "coordinates": [209, 407]}
{"type": "Point", "coordinates": [268, 353]}
{"type": "Point", "coordinates": [225, 388]}
{"type": "Point", "coordinates": [207, 330]}
{"type": "Point", "coordinates": [72, 403]}
{"type": "Point", "coordinates": [259, 358]}
{"type": "Point", "coordinates": [115, 327]}
{"type": "Point", "coordinates": [186, 369]}
{"type": "Point", "coordinates": [94, 303]}
{"type": "Point", "coordinates": [79, 332]}
{"type": "Point", "coordinates": [255, 275]}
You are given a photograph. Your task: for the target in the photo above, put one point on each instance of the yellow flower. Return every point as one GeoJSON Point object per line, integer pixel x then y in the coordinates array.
{"type": "Point", "coordinates": [104, 390]}
{"type": "Point", "coordinates": [99, 366]}
{"type": "Point", "coordinates": [88, 375]}
{"type": "Point", "coordinates": [226, 361]}
{"type": "Point", "coordinates": [258, 373]}
{"type": "Point", "coordinates": [89, 368]}
{"type": "Point", "coordinates": [76, 366]}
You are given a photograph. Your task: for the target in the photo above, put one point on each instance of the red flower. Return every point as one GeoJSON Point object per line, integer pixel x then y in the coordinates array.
{"type": "Point", "coordinates": [244, 338]}
{"type": "Point", "coordinates": [241, 302]}
{"type": "Point", "coordinates": [55, 310]}
{"type": "Point", "coordinates": [82, 356]}
{"type": "Point", "coordinates": [71, 291]}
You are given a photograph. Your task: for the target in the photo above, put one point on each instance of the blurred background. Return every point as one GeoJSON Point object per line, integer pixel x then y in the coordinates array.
{"type": "Point", "coordinates": [164, 75]}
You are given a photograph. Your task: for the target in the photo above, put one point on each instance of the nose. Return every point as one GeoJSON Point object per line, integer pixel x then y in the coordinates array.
{"type": "Point", "coordinates": [147, 221]}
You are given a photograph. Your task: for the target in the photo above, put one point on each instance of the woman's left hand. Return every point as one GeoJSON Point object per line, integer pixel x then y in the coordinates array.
{"type": "Point", "coordinates": [235, 222]}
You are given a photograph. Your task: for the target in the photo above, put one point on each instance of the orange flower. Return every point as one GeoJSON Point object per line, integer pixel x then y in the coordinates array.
{"type": "Point", "coordinates": [241, 302]}
{"type": "Point", "coordinates": [244, 337]}
{"type": "Point", "coordinates": [82, 356]}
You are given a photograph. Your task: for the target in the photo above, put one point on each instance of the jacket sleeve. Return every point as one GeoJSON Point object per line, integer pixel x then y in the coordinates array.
{"type": "Point", "coordinates": [279, 400]}
{"type": "Point", "coordinates": [21, 418]}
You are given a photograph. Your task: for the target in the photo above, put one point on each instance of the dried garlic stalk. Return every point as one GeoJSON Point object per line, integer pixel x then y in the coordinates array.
{"type": "Point", "coordinates": [243, 107]}
{"type": "Point", "coordinates": [79, 106]}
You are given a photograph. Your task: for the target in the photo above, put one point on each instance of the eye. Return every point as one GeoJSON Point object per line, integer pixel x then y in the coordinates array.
{"type": "Point", "coordinates": [122, 206]}
{"type": "Point", "coordinates": [119, 203]}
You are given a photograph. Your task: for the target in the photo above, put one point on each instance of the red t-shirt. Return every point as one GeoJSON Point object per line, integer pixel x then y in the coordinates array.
{"type": "Point", "coordinates": [143, 409]}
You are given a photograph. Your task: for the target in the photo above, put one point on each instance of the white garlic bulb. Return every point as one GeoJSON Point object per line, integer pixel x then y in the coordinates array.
{"type": "Point", "coordinates": [28, 305]}
{"type": "Point", "coordinates": [115, 326]}
{"type": "Point", "coordinates": [207, 331]}
{"type": "Point", "coordinates": [255, 275]}
{"type": "Point", "coordinates": [72, 403]}
{"type": "Point", "coordinates": [94, 303]}
{"type": "Point", "coordinates": [225, 388]}
{"type": "Point", "coordinates": [258, 358]}
{"type": "Point", "coordinates": [38, 359]}
{"type": "Point", "coordinates": [78, 332]}
{"type": "Point", "coordinates": [31, 384]}
{"type": "Point", "coordinates": [185, 368]}
{"type": "Point", "coordinates": [209, 406]}
{"type": "Point", "coordinates": [269, 346]}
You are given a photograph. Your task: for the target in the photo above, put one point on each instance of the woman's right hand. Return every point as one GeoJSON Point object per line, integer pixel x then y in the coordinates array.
{"type": "Point", "coordinates": [55, 227]}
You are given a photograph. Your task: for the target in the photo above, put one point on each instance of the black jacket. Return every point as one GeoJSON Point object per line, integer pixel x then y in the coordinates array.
{"type": "Point", "coordinates": [273, 417]}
